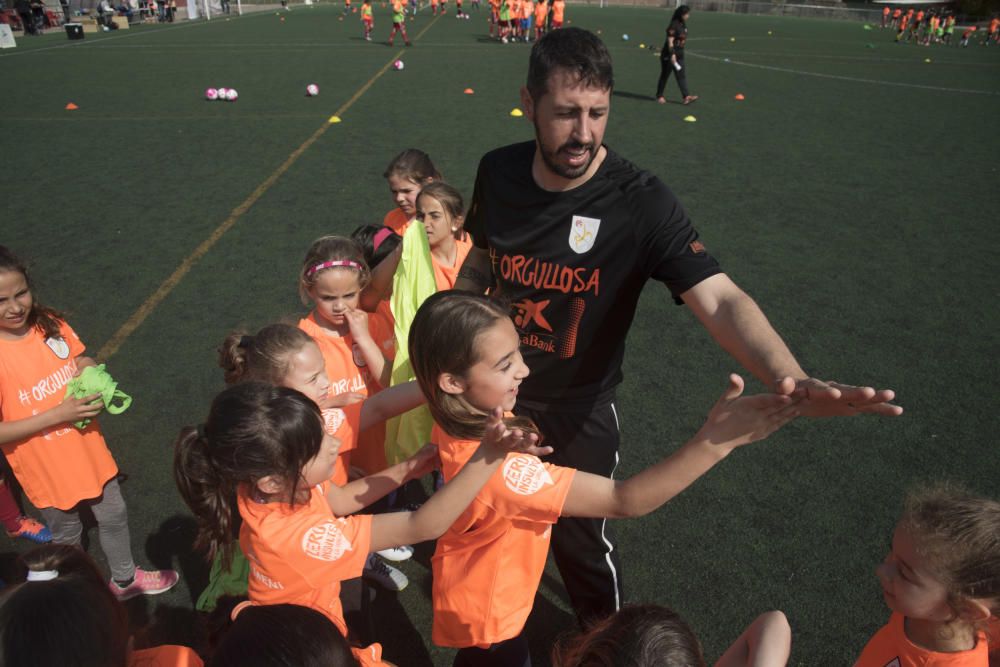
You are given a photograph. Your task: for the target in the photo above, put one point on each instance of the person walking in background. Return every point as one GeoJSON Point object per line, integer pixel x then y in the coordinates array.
{"type": "Point", "coordinates": [672, 56]}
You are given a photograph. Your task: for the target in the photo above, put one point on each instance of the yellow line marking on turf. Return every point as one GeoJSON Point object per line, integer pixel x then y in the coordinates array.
{"type": "Point", "coordinates": [168, 285]}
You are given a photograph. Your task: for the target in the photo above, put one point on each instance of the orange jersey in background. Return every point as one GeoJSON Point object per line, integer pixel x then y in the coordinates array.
{"type": "Point", "coordinates": [445, 276]}
{"type": "Point", "coordinates": [165, 656]}
{"type": "Point", "coordinates": [62, 465]}
{"type": "Point", "coordinates": [395, 219]}
{"type": "Point", "coordinates": [890, 647]}
{"type": "Point", "coordinates": [558, 9]}
{"type": "Point", "coordinates": [541, 10]}
{"type": "Point", "coordinates": [488, 564]}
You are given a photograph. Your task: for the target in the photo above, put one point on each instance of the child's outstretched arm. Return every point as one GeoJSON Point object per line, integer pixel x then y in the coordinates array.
{"type": "Point", "coordinates": [447, 504]}
{"type": "Point", "coordinates": [767, 642]}
{"type": "Point", "coordinates": [69, 411]}
{"type": "Point", "coordinates": [391, 402]}
{"type": "Point", "coordinates": [734, 420]}
{"type": "Point", "coordinates": [359, 494]}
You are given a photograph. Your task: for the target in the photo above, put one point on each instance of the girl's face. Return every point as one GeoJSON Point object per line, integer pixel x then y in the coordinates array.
{"type": "Point", "coordinates": [335, 292]}
{"type": "Point", "coordinates": [494, 379]}
{"type": "Point", "coordinates": [15, 304]}
{"type": "Point", "coordinates": [404, 193]}
{"type": "Point", "coordinates": [307, 373]}
{"type": "Point", "coordinates": [909, 586]}
{"type": "Point", "coordinates": [440, 226]}
{"type": "Point", "coordinates": [320, 467]}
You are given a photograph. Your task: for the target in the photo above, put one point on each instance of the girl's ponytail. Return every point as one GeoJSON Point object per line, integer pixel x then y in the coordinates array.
{"type": "Point", "coordinates": [210, 496]}
{"type": "Point", "coordinates": [233, 356]}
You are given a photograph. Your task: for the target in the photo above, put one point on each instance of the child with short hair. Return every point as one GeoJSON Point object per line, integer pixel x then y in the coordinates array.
{"type": "Point", "coordinates": [941, 580]}
{"type": "Point", "coordinates": [406, 174]}
{"type": "Point", "coordinates": [648, 635]}
{"type": "Point", "coordinates": [466, 356]}
{"type": "Point", "coordinates": [61, 468]}
{"type": "Point", "coordinates": [262, 454]}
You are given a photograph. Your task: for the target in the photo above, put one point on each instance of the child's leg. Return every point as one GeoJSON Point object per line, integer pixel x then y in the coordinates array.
{"type": "Point", "coordinates": [10, 513]}
{"type": "Point", "coordinates": [112, 530]}
{"type": "Point", "coordinates": [66, 527]}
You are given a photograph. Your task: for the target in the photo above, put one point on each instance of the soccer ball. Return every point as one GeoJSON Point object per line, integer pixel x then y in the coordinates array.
{"type": "Point", "coordinates": [221, 93]}
{"type": "Point", "coordinates": [624, 38]}
{"type": "Point", "coordinates": [312, 90]}
{"type": "Point", "coordinates": [211, 94]}
{"type": "Point", "coordinates": [398, 65]}
{"type": "Point", "coordinates": [232, 95]}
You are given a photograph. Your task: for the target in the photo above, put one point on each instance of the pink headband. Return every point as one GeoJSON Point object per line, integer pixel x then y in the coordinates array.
{"type": "Point", "coordinates": [349, 263]}
{"type": "Point", "coordinates": [380, 236]}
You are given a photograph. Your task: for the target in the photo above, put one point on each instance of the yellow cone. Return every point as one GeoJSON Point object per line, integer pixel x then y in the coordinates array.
{"type": "Point", "coordinates": [690, 119]}
{"type": "Point", "coordinates": [927, 60]}
{"type": "Point", "coordinates": [516, 113]}
{"type": "Point", "coordinates": [732, 39]}
{"type": "Point", "coordinates": [334, 119]}
{"type": "Point", "coordinates": [642, 46]}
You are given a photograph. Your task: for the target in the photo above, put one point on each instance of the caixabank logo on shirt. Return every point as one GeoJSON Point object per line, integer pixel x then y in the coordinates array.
{"type": "Point", "coordinates": [525, 475]}
{"type": "Point", "coordinates": [325, 542]}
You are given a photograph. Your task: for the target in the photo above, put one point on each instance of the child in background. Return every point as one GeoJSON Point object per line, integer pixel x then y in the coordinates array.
{"type": "Point", "coordinates": [648, 635]}
{"type": "Point", "coordinates": [558, 13]}
{"type": "Point", "coordinates": [262, 454]}
{"type": "Point", "coordinates": [941, 580]}
{"type": "Point", "coordinates": [279, 635]}
{"type": "Point", "coordinates": [966, 34]}
{"type": "Point", "coordinates": [487, 566]}
{"type": "Point", "coordinates": [406, 174]}
{"type": "Point", "coordinates": [527, 13]}
{"type": "Point", "coordinates": [504, 12]}
{"type": "Point", "coordinates": [541, 12]}
{"type": "Point", "coordinates": [442, 212]}
{"type": "Point", "coordinates": [398, 22]}
{"type": "Point", "coordinates": [367, 19]}
{"type": "Point", "coordinates": [60, 467]}
{"type": "Point", "coordinates": [64, 614]}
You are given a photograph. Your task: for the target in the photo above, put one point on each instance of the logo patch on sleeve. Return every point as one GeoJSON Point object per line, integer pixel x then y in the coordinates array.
{"type": "Point", "coordinates": [333, 418]}
{"type": "Point", "coordinates": [525, 475]}
{"type": "Point", "coordinates": [697, 247]}
{"type": "Point", "coordinates": [325, 542]}
{"type": "Point", "coordinates": [583, 233]}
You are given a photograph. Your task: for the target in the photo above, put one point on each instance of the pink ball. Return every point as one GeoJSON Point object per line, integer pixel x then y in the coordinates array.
{"type": "Point", "coordinates": [211, 94]}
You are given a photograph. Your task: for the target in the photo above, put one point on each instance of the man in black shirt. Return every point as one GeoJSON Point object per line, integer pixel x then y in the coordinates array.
{"type": "Point", "coordinates": [568, 232]}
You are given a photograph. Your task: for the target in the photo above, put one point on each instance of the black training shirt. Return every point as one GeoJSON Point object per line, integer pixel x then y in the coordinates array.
{"type": "Point", "coordinates": [572, 264]}
{"type": "Point", "coordinates": [679, 31]}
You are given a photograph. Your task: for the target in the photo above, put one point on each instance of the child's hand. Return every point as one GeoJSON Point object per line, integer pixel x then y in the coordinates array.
{"type": "Point", "coordinates": [499, 438]}
{"type": "Point", "coordinates": [77, 409]}
{"type": "Point", "coordinates": [738, 420]}
{"type": "Point", "coordinates": [357, 323]}
{"type": "Point", "coordinates": [425, 460]}
{"type": "Point", "coordinates": [340, 400]}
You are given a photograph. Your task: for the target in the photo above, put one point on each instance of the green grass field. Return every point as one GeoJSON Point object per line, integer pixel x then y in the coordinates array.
{"type": "Point", "coordinates": [851, 193]}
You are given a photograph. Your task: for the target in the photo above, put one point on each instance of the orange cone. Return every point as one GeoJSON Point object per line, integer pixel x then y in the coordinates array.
{"type": "Point", "coordinates": [469, 91]}
{"type": "Point", "coordinates": [739, 97]}
{"type": "Point", "coordinates": [71, 107]}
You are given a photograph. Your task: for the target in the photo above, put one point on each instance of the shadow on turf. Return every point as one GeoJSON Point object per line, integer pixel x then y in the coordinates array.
{"type": "Point", "coordinates": [633, 96]}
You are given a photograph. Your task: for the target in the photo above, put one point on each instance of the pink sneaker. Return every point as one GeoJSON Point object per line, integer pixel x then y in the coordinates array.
{"type": "Point", "coordinates": [146, 582]}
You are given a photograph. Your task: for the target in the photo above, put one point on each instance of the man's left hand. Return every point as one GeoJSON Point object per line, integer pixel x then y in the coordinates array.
{"type": "Point", "coordinates": [833, 399]}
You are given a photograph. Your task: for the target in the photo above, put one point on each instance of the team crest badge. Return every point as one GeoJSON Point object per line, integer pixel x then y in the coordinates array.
{"type": "Point", "coordinates": [325, 542]}
{"type": "Point", "coordinates": [59, 347]}
{"type": "Point", "coordinates": [525, 475]}
{"type": "Point", "coordinates": [583, 233]}
{"type": "Point", "coordinates": [332, 420]}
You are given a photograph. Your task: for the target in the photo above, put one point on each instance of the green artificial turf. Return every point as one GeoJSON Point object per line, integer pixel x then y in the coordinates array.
{"type": "Point", "coordinates": [851, 194]}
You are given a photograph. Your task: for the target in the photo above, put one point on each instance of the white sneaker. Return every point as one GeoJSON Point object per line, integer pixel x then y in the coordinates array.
{"type": "Point", "coordinates": [384, 575]}
{"type": "Point", "coordinates": [397, 554]}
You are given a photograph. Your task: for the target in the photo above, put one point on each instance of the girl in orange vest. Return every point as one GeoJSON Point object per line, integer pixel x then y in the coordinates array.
{"type": "Point", "coordinates": [61, 468]}
{"type": "Point", "coordinates": [487, 566]}
{"type": "Point", "coordinates": [941, 580]}
{"type": "Point", "coordinates": [262, 455]}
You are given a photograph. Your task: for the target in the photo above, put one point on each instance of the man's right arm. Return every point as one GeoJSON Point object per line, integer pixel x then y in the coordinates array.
{"type": "Point", "coordinates": [476, 274]}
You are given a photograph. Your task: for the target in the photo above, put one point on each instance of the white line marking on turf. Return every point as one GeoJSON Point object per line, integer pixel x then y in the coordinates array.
{"type": "Point", "coordinates": [854, 79]}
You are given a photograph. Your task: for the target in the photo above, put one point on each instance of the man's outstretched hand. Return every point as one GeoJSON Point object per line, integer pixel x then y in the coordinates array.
{"type": "Point", "coordinates": [833, 399]}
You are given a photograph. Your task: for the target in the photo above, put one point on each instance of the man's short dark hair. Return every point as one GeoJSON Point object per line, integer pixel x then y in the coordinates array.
{"type": "Point", "coordinates": [575, 50]}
